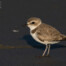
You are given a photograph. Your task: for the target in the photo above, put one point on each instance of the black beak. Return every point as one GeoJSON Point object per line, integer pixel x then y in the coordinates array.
{"type": "Point", "coordinates": [24, 25]}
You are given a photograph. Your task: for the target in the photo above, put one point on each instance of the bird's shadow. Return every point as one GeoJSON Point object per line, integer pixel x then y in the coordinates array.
{"type": "Point", "coordinates": [30, 41]}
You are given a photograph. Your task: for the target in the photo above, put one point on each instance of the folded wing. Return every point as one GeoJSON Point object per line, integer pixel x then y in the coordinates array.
{"type": "Point", "coordinates": [47, 32]}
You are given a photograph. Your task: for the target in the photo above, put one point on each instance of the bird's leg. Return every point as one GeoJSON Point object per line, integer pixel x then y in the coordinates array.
{"type": "Point", "coordinates": [45, 50]}
{"type": "Point", "coordinates": [48, 50]}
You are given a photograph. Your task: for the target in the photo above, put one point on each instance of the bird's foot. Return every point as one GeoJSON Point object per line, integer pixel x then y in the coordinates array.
{"type": "Point", "coordinates": [39, 56]}
{"type": "Point", "coordinates": [42, 56]}
{"type": "Point", "coordinates": [47, 56]}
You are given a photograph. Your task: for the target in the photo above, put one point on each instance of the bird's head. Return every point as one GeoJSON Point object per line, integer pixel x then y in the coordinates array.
{"type": "Point", "coordinates": [33, 22]}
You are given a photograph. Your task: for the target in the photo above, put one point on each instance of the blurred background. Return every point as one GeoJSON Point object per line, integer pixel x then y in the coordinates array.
{"type": "Point", "coordinates": [17, 48]}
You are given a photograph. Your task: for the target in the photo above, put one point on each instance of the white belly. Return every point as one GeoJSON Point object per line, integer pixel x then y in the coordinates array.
{"type": "Point", "coordinates": [45, 42]}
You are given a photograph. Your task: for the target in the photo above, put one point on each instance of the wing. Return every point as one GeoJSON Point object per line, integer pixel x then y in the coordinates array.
{"type": "Point", "coordinates": [47, 32]}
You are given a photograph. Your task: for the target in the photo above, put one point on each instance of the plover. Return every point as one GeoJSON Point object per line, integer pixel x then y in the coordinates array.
{"type": "Point", "coordinates": [44, 33]}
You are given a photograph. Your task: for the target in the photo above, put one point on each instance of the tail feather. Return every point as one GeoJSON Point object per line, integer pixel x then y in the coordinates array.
{"type": "Point", "coordinates": [63, 38]}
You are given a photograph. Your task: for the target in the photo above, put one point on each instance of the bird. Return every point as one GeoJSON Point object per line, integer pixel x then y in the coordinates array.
{"type": "Point", "coordinates": [44, 33]}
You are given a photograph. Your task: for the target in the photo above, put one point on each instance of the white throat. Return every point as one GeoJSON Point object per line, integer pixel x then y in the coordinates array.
{"type": "Point", "coordinates": [33, 27]}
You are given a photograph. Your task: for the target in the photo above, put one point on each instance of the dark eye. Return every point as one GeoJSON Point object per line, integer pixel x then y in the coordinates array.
{"type": "Point", "coordinates": [32, 22]}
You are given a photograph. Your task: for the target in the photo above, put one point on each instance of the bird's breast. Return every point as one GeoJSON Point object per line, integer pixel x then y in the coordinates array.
{"type": "Point", "coordinates": [34, 36]}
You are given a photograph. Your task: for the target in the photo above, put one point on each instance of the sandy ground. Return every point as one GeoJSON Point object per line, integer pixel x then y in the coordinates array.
{"type": "Point", "coordinates": [27, 54]}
